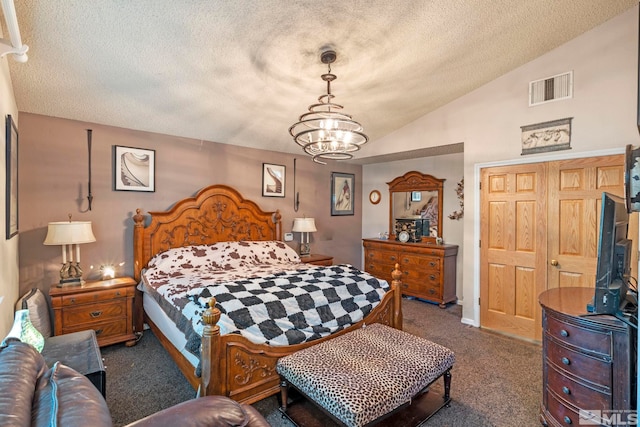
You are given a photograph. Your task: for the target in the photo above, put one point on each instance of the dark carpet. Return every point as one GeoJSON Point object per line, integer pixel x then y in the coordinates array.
{"type": "Point", "coordinates": [496, 380]}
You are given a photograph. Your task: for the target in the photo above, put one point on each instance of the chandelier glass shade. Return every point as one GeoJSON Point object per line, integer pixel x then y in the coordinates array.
{"type": "Point", "coordinates": [325, 132]}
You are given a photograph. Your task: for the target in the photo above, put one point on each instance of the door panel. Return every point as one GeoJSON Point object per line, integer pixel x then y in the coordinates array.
{"type": "Point", "coordinates": [575, 191]}
{"type": "Point", "coordinates": [513, 233]}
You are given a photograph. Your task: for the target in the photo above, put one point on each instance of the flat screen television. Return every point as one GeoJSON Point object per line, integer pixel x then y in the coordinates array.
{"type": "Point", "coordinates": [614, 257]}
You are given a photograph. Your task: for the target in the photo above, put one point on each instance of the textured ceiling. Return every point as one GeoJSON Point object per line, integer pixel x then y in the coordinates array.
{"type": "Point", "coordinates": [241, 72]}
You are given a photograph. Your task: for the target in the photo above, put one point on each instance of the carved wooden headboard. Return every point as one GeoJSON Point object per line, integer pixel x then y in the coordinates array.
{"type": "Point", "coordinates": [217, 213]}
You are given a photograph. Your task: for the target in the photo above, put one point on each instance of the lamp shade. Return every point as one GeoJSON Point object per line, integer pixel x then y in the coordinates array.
{"type": "Point", "coordinates": [69, 232]}
{"type": "Point", "coordinates": [304, 225]}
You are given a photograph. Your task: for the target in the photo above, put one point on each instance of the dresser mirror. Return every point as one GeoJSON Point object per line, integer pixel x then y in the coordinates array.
{"type": "Point", "coordinates": [418, 197]}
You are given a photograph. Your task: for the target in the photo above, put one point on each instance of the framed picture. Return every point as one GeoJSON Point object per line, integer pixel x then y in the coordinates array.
{"type": "Point", "coordinates": [546, 136]}
{"type": "Point", "coordinates": [273, 180]}
{"type": "Point", "coordinates": [11, 178]}
{"type": "Point", "coordinates": [134, 169]}
{"type": "Point", "coordinates": [342, 193]}
{"type": "Point", "coordinates": [416, 196]}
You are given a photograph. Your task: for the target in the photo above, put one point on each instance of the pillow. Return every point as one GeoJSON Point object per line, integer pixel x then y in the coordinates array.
{"type": "Point", "coordinates": [23, 330]}
{"type": "Point", "coordinates": [38, 307]}
{"type": "Point", "coordinates": [224, 255]}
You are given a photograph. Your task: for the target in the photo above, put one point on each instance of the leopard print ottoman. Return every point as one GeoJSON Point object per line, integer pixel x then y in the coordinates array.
{"type": "Point", "coordinates": [365, 374]}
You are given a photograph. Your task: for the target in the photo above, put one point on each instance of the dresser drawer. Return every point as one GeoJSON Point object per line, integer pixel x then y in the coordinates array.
{"type": "Point", "coordinates": [94, 313]}
{"type": "Point", "coordinates": [91, 297]}
{"type": "Point", "coordinates": [585, 367]}
{"type": "Point", "coordinates": [414, 262]}
{"type": "Point", "coordinates": [385, 257]}
{"type": "Point", "coordinates": [587, 339]}
{"type": "Point", "coordinates": [575, 393]}
{"type": "Point", "coordinates": [564, 414]}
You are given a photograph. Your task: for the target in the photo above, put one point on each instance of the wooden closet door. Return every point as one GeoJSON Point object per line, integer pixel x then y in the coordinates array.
{"type": "Point", "coordinates": [513, 248]}
{"type": "Point", "coordinates": [575, 194]}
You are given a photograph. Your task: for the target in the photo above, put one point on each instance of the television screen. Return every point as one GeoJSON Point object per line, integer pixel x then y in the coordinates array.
{"type": "Point", "coordinates": [614, 257]}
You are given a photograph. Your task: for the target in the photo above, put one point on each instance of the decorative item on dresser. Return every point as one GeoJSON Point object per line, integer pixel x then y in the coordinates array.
{"type": "Point", "coordinates": [589, 362]}
{"type": "Point", "coordinates": [105, 306]}
{"type": "Point", "coordinates": [429, 270]}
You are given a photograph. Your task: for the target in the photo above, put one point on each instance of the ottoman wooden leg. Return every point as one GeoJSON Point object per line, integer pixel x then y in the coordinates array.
{"type": "Point", "coordinates": [447, 386]}
{"type": "Point", "coordinates": [284, 390]}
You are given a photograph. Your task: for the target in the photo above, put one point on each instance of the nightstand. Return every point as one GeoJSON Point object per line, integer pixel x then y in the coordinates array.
{"type": "Point", "coordinates": [317, 259]}
{"type": "Point", "coordinates": [106, 306]}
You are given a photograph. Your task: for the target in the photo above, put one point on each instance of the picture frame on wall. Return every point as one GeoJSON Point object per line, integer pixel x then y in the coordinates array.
{"type": "Point", "coordinates": [416, 196]}
{"type": "Point", "coordinates": [342, 193]}
{"type": "Point", "coordinates": [134, 169]}
{"type": "Point", "coordinates": [273, 180]}
{"type": "Point", "coordinates": [11, 168]}
{"type": "Point", "coordinates": [547, 136]}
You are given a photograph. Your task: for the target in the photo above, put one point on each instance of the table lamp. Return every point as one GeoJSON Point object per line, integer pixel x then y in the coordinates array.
{"type": "Point", "coordinates": [67, 234]}
{"type": "Point", "coordinates": [304, 226]}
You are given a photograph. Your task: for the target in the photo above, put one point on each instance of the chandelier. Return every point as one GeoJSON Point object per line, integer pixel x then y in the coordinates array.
{"type": "Point", "coordinates": [325, 132]}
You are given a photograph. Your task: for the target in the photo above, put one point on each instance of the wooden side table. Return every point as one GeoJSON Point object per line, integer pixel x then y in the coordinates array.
{"type": "Point", "coordinates": [317, 259]}
{"type": "Point", "coordinates": [106, 306]}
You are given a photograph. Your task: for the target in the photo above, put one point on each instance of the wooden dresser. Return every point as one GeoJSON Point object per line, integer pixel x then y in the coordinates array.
{"type": "Point", "coordinates": [105, 306]}
{"type": "Point", "coordinates": [429, 270]}
{"type": "Point", "coordinates": [588, 361]}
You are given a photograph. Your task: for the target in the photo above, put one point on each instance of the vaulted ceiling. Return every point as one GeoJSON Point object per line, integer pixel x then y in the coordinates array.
{"type": "Point", "coordinates": [241, 72]}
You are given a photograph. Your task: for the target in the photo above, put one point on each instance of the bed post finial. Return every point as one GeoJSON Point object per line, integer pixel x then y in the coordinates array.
{"type": "Point", "coordinates": [210, 347]}
{"type": "Point", "coordinates": [396, 286]}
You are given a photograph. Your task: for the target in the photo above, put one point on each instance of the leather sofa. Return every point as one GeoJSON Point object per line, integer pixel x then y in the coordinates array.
{"type": "Point", "coordinates": [32, 394]}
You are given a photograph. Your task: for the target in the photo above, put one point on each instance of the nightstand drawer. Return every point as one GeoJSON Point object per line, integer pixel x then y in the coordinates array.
{"type": "Point", "coordinates": [575, 393]}
{"type": "Point", "coordinates": [587, 368]}
{"type": "Point", "coordinates": [91, 297]}
{"type": "Point", "coordinates": [94, 313]}
{"type": "Point", "coordinates": [587, 339]}
{"type": "Point", "coordinates": [103, 330]}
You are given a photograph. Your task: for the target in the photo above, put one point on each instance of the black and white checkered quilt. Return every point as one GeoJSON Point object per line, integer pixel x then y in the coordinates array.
{"type": "Point", "coordinates": [285, 308]}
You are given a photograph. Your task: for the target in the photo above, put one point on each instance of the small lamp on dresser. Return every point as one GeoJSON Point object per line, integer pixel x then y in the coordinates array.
{"type": "Point", "coordinates": [67, 234]}
{"type": "Point", "coordinates": [304, 226]}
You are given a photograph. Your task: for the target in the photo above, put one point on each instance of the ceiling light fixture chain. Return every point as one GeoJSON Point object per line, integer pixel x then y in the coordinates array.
{"type": "Point", "coordinates": [324, 132]}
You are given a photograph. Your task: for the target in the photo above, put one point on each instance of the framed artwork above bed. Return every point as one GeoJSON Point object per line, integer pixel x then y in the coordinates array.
{"type": "Point", "coordinates": [273, 180]}
{"type": "Point", "coordinates": [342, 193]}
{"type": "Point", "coordinates": [134, 169]}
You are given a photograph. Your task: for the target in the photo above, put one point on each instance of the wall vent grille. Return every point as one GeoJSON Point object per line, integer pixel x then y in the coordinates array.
{"type": "Point", "coordinates": [554, 88]}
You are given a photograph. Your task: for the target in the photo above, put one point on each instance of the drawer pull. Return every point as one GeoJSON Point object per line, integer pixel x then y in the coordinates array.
{"type": "Point", "coordinates": [95, 314]}
{"type": "Point", "coordinates": [566, 361]}
{"type": "Point", "coordinates": [566, 390]}
{"type": "Point", "coordinates": [98, 331]}
{"type": "Point", "coordinates": [406, 261]}
{"type": "Point", "coordinates": [567, 420]}
{"type": "Point", "coordinates": [432, 291]}
{"type": "Point", "coordinates": [118, 293]}
{"type": "Point", "coordinates": [392, 257]}
{"type": "Point", "coordinates": [564, 333]}
{"type": "Point", "coordinates": [432, 264]}
{"type": "Point", "coordinates": [432, 277]}
{"type": "Point", "coordinates": [73, 300]}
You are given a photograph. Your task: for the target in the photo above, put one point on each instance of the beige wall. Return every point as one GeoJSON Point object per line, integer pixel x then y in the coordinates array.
{"type": "Point", "coordinates": [605, 65]}
{"type": "Point", "coordinates": [8, 248]}
{"type": "Point", "coordinates": [53, 183]}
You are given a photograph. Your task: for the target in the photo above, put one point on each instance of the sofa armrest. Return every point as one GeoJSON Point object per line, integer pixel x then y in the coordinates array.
{"type": "Point", "coordinates": [207, 411]}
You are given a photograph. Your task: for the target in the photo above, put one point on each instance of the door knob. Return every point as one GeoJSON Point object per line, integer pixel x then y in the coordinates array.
{"type": "Point", "coordinates": [554, 262]}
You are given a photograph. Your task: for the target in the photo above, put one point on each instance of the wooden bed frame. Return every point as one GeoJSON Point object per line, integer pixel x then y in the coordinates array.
{"type": "Point", "coordinates": [231, 365]}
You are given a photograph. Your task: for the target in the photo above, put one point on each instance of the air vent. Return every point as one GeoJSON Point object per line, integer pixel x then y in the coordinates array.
{"type": "Point", "coordinates": [554, 88]}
